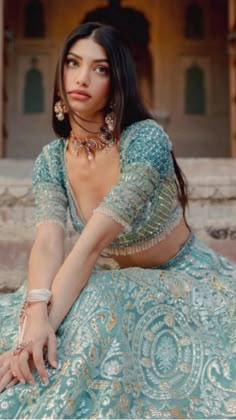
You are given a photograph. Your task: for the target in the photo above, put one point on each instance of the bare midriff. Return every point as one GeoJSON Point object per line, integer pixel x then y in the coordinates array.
{"type": "Point", "coordinates": [158, 254]}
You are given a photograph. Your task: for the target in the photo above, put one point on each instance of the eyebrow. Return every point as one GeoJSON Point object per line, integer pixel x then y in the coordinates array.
{"type": "Point", "coordinates": [98, 60]}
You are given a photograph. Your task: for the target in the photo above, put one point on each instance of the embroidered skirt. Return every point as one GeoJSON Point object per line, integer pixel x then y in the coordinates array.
{"type": "Point", "coordinates": [139, 343]}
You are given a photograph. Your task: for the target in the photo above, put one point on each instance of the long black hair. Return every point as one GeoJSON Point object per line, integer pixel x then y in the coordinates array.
{"type": "Point", "coordinates": [129, 106]}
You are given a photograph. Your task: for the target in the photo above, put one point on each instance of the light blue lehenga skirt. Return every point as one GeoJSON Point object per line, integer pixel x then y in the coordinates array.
{"type": "Point", "coordinates": [139, 343]}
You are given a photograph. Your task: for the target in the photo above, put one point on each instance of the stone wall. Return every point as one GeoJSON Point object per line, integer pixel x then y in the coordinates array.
{"type": "Point", "coordinates": [211, 213]}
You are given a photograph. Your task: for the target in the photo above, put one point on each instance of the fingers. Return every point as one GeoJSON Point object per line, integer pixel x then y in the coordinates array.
{"type": "Point", "coordinates": [15, 367]}
{"type": "Point", "coordinates": [2, 359]}
{"type": "Point", "coordinates": [3, 369]}
{"type": "Point", "coordinates": [12, 383]}
{"type": "Point", "coordinates": [24, 367]}
{"type": "Point", "coordinates": [52, 350]}
{"type": "Point", "coordinates": [39, 363]}
{"type": "Point", "coordinates": [24, 359]}
{"type": "Point", "coordinates": [6, 379]}
{"type": "Point", "coordinates": [4, 356]}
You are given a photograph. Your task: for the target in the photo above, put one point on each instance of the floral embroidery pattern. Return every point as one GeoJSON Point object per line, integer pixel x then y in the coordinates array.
{"type": "Point", "coordinates": [139, 343]}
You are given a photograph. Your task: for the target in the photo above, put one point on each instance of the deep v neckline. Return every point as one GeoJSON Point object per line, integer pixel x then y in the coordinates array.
{"type": "Point", "coordinates": [78, 211]}
{"type": "Point", "coordinates": [122, 145]}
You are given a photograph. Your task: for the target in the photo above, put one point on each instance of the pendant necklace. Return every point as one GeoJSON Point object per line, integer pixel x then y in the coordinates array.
{"type": "Point", "coordinates": [104, 141]}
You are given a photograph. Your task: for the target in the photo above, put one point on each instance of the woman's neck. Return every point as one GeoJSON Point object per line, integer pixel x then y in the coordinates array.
{"type": "Point", "coordinates": [86, 127]}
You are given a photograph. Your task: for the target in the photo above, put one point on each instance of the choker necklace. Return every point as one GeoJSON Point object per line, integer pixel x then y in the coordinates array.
{"type": "Point", "coordinates": [104, 141]}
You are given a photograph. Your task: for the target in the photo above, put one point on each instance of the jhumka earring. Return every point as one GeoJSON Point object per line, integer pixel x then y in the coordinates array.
{"type": "Point", "coordinates": [60, 110]}
{"type": "Point", "coordinates": [110, 118]}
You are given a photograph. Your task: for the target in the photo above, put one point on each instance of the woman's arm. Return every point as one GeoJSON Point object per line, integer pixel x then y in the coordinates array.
{"type": "Point", "coordinates": [73, 274]}
{"type": "Point", "coordinates": [46, 257]}
{"type": "Point", "coordinates": [66, 287]}
{"type": "Point", "coordinates": [45, 260]}
{"type": "Point", "coordinates": [76, 269]}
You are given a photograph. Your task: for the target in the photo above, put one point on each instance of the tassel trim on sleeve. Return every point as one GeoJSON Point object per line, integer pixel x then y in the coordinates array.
{"type": "Point", "coordinates": [115, 216]}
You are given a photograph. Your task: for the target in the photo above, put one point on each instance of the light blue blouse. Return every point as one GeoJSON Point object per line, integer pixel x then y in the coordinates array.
{"type": "Point", "coordinates": [144, 200]}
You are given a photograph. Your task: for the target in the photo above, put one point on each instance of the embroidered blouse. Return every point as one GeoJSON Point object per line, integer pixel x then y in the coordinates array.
{"type": "Point", "coordinates": [144, 199]}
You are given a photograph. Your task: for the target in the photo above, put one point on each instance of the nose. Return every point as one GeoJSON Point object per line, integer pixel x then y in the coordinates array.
{"type": "Point", "coordinates": [83, 76]}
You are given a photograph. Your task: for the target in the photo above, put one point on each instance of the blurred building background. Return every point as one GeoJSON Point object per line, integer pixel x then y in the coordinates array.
{"type": "Point", "coordinates": [181, 48]}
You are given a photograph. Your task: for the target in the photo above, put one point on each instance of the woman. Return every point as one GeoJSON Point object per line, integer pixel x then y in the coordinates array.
{"type": "Point", "coordinates": [138, 321]}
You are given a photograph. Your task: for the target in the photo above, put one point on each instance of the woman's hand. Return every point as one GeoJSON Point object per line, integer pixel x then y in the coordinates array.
{"type": "Point", "coordinates": [38, 336]}
{"type": "Point", "coordinates": [6, 377]}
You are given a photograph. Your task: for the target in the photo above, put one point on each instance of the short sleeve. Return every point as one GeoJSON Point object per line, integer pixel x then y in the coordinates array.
{"type": "Point", "coordinates": [147, 161]}
{"type": "Point", "coordinates": [50, 196]}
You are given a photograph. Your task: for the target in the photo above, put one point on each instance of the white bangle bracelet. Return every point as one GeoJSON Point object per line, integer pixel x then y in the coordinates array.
{"type": "Point", "coordinates": [39, 295]}
{"type": "Point", "coordinates": [33, 296]}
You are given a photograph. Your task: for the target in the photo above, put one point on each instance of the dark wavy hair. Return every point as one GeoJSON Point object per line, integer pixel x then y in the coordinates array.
{"type": "Point", "coordinates": [129, 106]}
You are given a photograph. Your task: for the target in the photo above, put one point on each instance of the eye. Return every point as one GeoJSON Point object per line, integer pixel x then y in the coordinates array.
{"type": "Point", "coordinates": [71, 62]}
{"type": "Point", "coordinates": [103, 70]}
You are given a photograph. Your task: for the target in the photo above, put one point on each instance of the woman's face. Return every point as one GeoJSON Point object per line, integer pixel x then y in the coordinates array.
{"type": "Point", "coordinates": [87, 78]}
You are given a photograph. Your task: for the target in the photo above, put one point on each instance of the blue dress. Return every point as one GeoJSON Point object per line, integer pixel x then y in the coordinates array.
{"type": "Point", "coordinates": [137, 343]}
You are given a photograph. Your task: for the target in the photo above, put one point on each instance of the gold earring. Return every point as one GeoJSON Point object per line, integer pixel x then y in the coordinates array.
{"type": "Point", "coordinates": [60, 110]}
